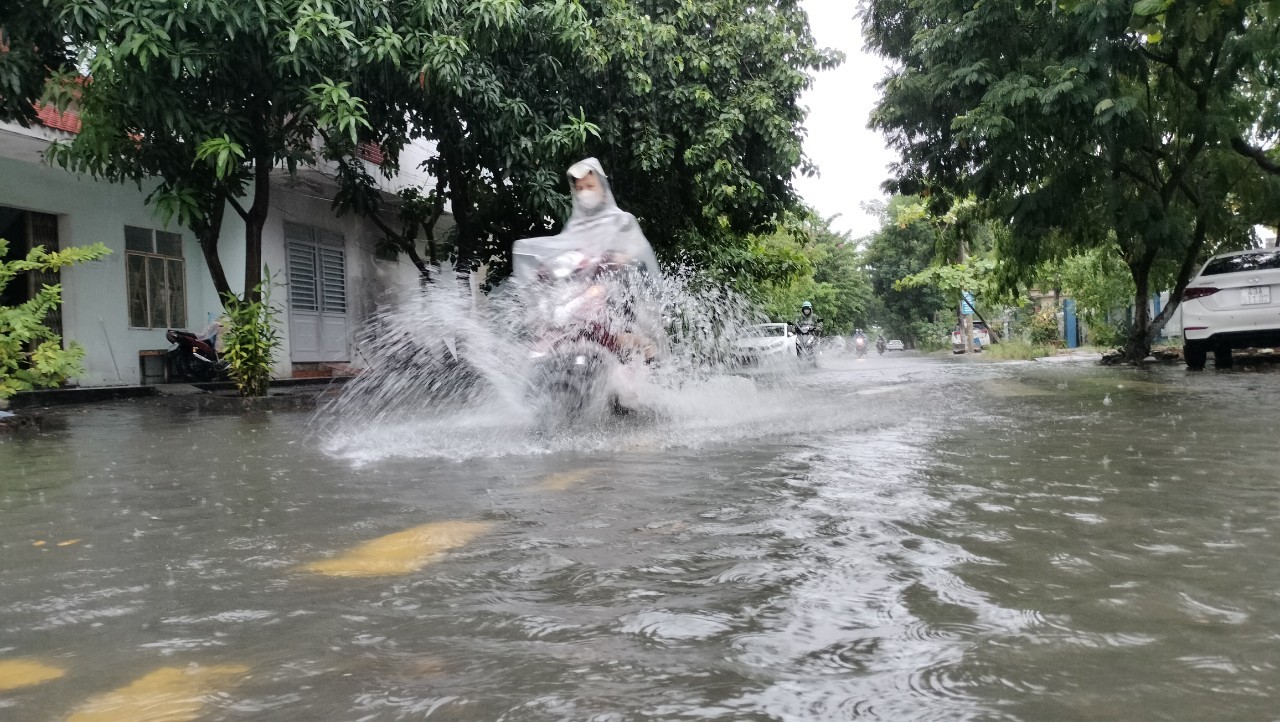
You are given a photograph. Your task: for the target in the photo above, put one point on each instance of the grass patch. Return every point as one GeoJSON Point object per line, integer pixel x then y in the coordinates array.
{"type": "Point", "coordinates": [1017, 350]}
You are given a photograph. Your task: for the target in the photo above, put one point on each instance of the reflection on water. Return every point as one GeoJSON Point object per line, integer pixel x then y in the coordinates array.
{"type": "Point", "coordinates": [890, 539]}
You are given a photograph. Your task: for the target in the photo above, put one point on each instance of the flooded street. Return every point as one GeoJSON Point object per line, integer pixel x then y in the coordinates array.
{"type": "Point", "coordinates": [895, 538]}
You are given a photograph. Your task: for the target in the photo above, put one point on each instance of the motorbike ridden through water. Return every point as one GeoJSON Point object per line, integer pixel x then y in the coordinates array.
{"type": "Point", "coordinates": [194, 357]}
{"type": "Point", "coordinates": [880, 345]}
{"type": "Point", "coordinates": [859, 343]}
{"type": "Point", "coordinates": [808, 328]}
{"type": "Point", "coordinates": [590, 328]}
{"type": "Point", "coordinates": [807, 342]}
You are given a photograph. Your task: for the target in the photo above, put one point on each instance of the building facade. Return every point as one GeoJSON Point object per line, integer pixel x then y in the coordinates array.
{"type": "Point", "coordinates": [329, 277]}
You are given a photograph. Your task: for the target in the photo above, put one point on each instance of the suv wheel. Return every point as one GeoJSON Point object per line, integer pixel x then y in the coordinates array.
{"type": "Point", "coordinates": [1194, 354]}
{"type": "Point", "coordinates": [1222, 357]}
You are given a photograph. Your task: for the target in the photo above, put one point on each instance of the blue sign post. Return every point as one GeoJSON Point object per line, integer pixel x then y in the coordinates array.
{"type": "Point", "coordinates": [966, 304]}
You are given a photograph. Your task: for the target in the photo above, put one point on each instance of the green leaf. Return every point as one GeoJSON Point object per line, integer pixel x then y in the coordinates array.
{"type": "Point", "coordinates": [1147, 8]}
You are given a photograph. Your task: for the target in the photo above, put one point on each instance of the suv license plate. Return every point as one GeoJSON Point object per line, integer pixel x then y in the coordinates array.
{"type": "Point", "coordinates": [1255, 295]}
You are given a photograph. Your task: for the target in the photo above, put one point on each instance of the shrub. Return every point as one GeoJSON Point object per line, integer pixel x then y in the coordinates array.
{"type": "Point", "coordinates": [31, 354]}
{"type": "Point", "coordinates": [932, 336]}
{"type": "Point", "coordinates": [1042, 330]}
{"type": "Point", "coordinates": [1108, 335]}
{"type": "Point", "coordinates": [251, 343]}
{"type": "Point", "coordinates": [1020, 350]}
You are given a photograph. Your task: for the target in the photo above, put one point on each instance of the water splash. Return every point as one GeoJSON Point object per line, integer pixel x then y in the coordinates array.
{"type": "Point", "coordinates": [455, 375]}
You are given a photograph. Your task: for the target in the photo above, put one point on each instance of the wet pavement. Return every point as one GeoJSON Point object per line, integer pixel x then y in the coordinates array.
{"type": "Point", "coordinates": [894, 538]}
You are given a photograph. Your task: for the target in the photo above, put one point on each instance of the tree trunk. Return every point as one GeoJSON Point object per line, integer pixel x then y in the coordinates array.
{"type": "Point", "coordinates": [437, 210]}
{"type": "Point", "coordinates": [1185, 272]}
{"type": "Point", "coordinates": [1138, 346]}
{"type": "Point", "coordinates": [452, 149]}
{"type": "Point", "coordinates": [253, 224]}
{"type": "Point", "coordinates": [208, 233]}
{"type": "Point", "coordinates": [460, 201]}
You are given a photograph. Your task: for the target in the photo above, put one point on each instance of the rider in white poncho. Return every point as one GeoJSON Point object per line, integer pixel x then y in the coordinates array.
{"type": "Point", "coordinates": [602, 233]}
{"type": "Point", "coordinates": [597, 227]}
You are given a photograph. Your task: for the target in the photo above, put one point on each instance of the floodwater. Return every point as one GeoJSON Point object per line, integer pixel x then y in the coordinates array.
{"type": "Point", "coordinates": [895, 538]}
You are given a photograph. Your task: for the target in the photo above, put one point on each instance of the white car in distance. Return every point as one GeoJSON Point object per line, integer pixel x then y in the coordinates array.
{"type": "Point", "coordinates": [1233, 303]}
{"type": "Point", "coordinates": [894, 345]}
{"type": "Point", "coordinates": [764, 343]}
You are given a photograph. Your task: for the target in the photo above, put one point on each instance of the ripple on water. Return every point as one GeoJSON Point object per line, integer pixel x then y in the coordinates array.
{"type": "Point", "coordinates": [1219, 613]}
{"type": "Point", "coordinates": [937, 680]}
{"type": "Point", "coordinates": [539, 568]}
{"type": "Point", "coordinates": [854, 655]}
{"type": "Point", "coordinates": [236, 616]}
{"type": "Point", "coordinates": [169, 647]}
{"type": "Point", "coordinates": [668, 626]}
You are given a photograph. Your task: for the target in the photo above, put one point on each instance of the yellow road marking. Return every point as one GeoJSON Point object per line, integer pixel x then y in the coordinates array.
{"type": "Point", "coordinates": [169, 694]}
{"type": "Point", "coordinates": [68, 542]}
{"type": "Point", "coordinates": [39, 543]}
{"type": "Point", "coordinates": [401, 553]}
{"type": "Point", "coordinates": [564, 479]}
{"type": "Point", "coordinates": [17, 673]}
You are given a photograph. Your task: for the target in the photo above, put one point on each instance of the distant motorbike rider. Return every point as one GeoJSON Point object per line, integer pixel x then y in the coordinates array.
{"type": "Point", "coordinates": [881, 343]}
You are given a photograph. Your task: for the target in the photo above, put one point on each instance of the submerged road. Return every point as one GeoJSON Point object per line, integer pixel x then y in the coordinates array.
{"type": "Point", "coordinates": [893, 538]}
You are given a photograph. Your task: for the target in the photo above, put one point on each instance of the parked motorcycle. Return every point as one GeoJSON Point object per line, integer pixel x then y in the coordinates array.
{"type": "Point", "coordinates": [194, 357]}
{"type": "Point", "coordinates": [807, 343]}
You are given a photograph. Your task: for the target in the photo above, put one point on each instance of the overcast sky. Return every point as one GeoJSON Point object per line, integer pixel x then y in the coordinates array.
{"type": "Point", "coordinates": [852, 158]}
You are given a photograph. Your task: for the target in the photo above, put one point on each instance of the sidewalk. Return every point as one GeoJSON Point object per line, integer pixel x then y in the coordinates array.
{"type": "Point", "coordinates": [1066, 356]}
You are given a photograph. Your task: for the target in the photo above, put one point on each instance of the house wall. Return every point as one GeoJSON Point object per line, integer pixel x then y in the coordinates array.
{"type": "Point", "coordinates": [369, 279]}
{"type": "Point", "coordinates": [95, 308]}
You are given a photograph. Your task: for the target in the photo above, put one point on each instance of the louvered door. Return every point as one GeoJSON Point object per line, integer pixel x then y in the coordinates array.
{"type": "Point", "coordinates": [317, 295]}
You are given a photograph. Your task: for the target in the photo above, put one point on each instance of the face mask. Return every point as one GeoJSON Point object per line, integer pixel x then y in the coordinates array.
{"type": "Point", "coordinates": [590, 199]}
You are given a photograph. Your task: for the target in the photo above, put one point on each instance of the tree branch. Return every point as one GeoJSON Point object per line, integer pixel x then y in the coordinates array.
{"type": "Point", "coordinates": [239, 209]}
{"type": "Point", "coordinates": [1141, 179]}
{"type": "Point", "coordinates": [1191, 193]}
{"type": "Point", "coordinates": [1257, 155]}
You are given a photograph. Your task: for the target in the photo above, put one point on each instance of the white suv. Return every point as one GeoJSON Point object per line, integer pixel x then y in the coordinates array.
{"type": "Point", "coordinates": [1233, 303]}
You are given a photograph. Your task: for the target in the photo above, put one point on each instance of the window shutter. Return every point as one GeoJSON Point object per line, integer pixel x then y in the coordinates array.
{"type": "Point", "coordinates": [302, 277]}
{"type": "Point", "coordinates": [333, 279]}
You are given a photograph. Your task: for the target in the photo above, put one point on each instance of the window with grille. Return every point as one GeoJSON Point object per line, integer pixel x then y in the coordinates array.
{"type": "Point", "coordinates": [155, 278]}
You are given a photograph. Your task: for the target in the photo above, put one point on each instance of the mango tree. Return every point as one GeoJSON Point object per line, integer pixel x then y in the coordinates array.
{"type": "Point", "coordinates": [202, 101]}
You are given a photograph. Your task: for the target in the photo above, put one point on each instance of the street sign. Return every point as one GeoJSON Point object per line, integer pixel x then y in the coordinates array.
{"type": "Point", "coordinates": [966, 305]}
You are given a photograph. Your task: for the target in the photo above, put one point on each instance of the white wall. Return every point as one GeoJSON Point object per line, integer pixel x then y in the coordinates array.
{"type": "Point", "coordinates": [95, 310]}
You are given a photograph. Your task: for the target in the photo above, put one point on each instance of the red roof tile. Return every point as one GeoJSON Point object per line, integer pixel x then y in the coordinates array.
{"type": "Point", "coordinates": [50, 117]}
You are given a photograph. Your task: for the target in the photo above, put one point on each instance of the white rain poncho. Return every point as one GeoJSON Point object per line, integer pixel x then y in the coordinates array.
{"type": "Point", "coordinates": [605, 230]}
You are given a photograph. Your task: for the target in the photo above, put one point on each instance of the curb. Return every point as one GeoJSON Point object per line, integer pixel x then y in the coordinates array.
{"type": "Point", "coordinates": [213, 390]}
